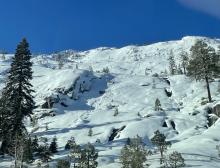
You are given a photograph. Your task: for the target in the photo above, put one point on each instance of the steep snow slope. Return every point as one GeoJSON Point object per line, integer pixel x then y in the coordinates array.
{"type": "Point", "coordinates": [132, 87]}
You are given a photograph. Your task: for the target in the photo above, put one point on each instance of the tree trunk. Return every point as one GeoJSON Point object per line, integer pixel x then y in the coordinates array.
{"type": "Point", "coordinates": [184, 70]}
{"type": "Point", "coordinates": [88, 161]}
{"type": "Point", "coordinates": [208, 89]}
{"type": "Point", "coordinates": [161, 154]}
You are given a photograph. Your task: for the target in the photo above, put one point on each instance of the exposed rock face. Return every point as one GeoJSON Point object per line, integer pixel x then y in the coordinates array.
{"type": "Point", "coordinates": [164, 124]}
{"type": "Point", "coordinates": [216, 110]}
{"type": "Point", "coordinates": [50, 101]}
{"type": "Point", "coordinates": [212, 119]}
{"type": "Point", "coordinates": [168, 92]}
{"type": "Point", "coordinates": [115, 133]}
{"type": "Point", "coordinates": [47, 114]}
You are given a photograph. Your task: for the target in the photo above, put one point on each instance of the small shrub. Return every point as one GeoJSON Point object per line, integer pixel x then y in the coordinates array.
{"type": "Point", "coordinates": [90, 133]}
{"type": "Point", "coordinates": [105, 70]}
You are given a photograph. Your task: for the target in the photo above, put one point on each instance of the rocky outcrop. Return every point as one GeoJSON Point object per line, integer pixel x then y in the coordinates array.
{"type": "Point", "coordinates": [216, 110]}
{"type": "Point", "coordinates": [115, 133]}
{"type": "Point", "coordinates": [168, 92]}
{"type": "Point", "coordinates": [49, 101]}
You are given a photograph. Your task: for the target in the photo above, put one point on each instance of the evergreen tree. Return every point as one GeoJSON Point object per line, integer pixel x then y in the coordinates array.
{"type": "Point", "coordinates": [176, 160]}
{"type": "Point", "coordinates": [88, 157]}
{"type": "Point", "coordinates": [154, 84]}
{"type": "Point", "coordinates": [3, 55]}
{"type": "Point", "coordinates": [53, 146]}
{"type": "Point", "coordinates": [184, 60]}
{"type": "Point", "coordinates": [63, 164]}
{"type": "Point", "coordinates": [35, 144]}
{"type": "Point", "coordinates": [44, 152]}
{"type": "Point", "coordinates": [128, 142]}
{"type": "Point", "coordinates": [5, 126]}
{"type": "Point", "coordinates": [203, 64]}
{"type": "Point", "coordinates": [133, 154]}
{"type": "Point", "coordinates": [159, 140]}
{"type": "Point", "coordinates": [17, 97]}
{"type": "Point", "coordinates": [75, 154]}
{"type": "Point", "coordinates": [28, 151]}
{"type": "Point", "coordinates": [172, 64]}
{"type": "Point", "coordinates": [116, 112]}
{"type": "Point", "coordinates": [34, 121]}
{"type": "Point", "coordinates": [179, 70]}
{"type": "Point", "coordinates": [157, 105]}
{"type": "Point", "coordinates": [90, 132]}
{"type": "Point", "coordinates": [70, 143]}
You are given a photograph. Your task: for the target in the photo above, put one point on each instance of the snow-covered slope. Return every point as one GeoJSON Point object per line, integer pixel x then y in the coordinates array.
{"type": "Point", "coordinates": [85, 97]}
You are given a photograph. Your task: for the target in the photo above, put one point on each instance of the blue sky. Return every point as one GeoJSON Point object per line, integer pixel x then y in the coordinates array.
{"type": "Point", "coordinates": [54, 25]}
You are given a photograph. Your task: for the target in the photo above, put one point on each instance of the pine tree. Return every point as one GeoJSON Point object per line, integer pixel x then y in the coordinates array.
{"type": "Point", "coordinates": [176, 160]}
{"type": "Point", "coordinates": [88, 157]}
{"type": "Point", "coordinates": [28, 151]}
{"type": "Point", "coordinates": [90, 132]}
{"type": "Point", "coordinates": [3, 55]}
{"type": "Point", "coordinates": [172, 64]}
{"type": "Point", "coordinates": [159, 140]}
{"type": "Point", "coordinates": [75, 154]}
{"type": "Point", "coordinates": [34, 121]}
{"type": "Point", "coordinates": [154, 84]}
{"type": "Point", "coordinates": [63, 164]}
{"type": "Point", "coordinates": [157, 105]}
{"type": "Point", "coordinates": [60, 60]}
{"type": "Point", "coordinates": [5, 126]}
{"type": "Point", "coordinates": [53, 145]}
{"type": "Point", "coordinates": [133, 154]}
{"type": "Point", "coordinates": [185, 60]}
{"type": "Point", "coordinates": [44, 152]}
{"type": "Point", "coordinates": [179, 70]}
{"type": "Point", "coordinates": [203, 64]}
{"type": "Point", "coordinates": [35, 144]}
{"type": "Point", "coordinates": [70, 143]}
{"type": "Point", "coordinates": [17, 97]}
{"type": "Point", "coordinates": [116, 112]}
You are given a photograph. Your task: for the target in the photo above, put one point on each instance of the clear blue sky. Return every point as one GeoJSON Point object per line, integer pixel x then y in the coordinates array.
{"type": "Point", "coordinates": [54, 25]}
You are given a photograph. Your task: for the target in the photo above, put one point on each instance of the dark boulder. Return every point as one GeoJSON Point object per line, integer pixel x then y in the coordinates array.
{"type": "Point", "coordinates": [115, 133]}
{"type": "Point", "coordinates": [49, 101]}
{"type": "Point", "coordinates": [168, 92]}
{"type": "Point", "coordinates": [216, 110]}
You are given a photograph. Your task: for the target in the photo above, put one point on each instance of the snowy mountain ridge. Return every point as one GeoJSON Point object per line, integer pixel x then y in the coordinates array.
{"type": "Point", "coordinates": [91, 85]}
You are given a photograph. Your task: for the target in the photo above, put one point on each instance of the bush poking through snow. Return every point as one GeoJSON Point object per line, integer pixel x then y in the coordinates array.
{"type": "Point", "coordinates": [218, 149]}
{"type": "Point", "coordinates": [154, 84]}
{"type": "Point", "coordinates": [159, 140]}
{"type": "Point", "coordinates": [105, 70]}
{"type": "Point", "coordinates": [176, 160]}
{"type": "Point", "coordinates": [116, 112]}
{"type": "Point", "coordinates": [157, 105]}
